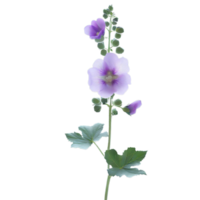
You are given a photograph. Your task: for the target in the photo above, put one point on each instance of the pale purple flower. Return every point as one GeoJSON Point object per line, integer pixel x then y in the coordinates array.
{"type": "Point", "coordinates": [131, 109]}
{"type": "Point", "coordinates": [96, 29]}
{"type": "Point", "coordinates": [109, 76]}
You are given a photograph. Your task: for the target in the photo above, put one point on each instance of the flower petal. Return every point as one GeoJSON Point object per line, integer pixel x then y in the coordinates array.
{"type": "Point", "coordinates": [133, 107]}
{"type": "Point", "coordinates": [87, 30]}
{"type": "Point", "coordinates": [94, 23]}
{"type": "Point", "coordinates": [95, 82]}
{"type": "Point", "coordinates": [101, 24]}
{"type": "Point", "coordinates": [121, 84]}
{"type": "Point", "coordinates": [111, 61]}
{"type": "Point", "coordinates": [106, 90]}
{"type": "Point", "coordinates": [122, 66]}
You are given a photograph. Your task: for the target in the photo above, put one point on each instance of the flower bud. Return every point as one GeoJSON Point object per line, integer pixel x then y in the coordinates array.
{"type": "Point", "coordinates": [114, 23]}
{"type": "Point", "coordinates": [119, 30]}
{"type": "Point", "coordinates": [103, 52]}
{"type": "Point", "coordinates": [117, 35]}
{"type": "Point", "coordinates": [126, 110]}
{"type": "Point", "coordinates": [101, 45]}
{"type": "Point", "coordinates": [118, 102]}
{"type": "Point", "coordinates": [114, 28]}
{"type": "Point", "coordinates": [97, 108]}
{"type": "Point", "coordinates": [96, 101]}
{"type": "Point", "coordinates": [115, 43]}
{"type": "Point", "coordinates": [107, 24]}
{"type": "Point", "coordinates": [115, 19]}
{"type": "Point", "coordinates": [104, 101]}
{"type": "Point", "coordinates": [119, 50]}
{"type": "Point", "coordinates": [105, 16]}
{"type": "Point", "coordinates": [110, 8]}
{"type": "Point", "coordinates": [114, 112]}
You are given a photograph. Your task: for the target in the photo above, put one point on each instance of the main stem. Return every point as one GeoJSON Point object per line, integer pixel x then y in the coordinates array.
{"type": "Point", "coordinates": [108, 179]}
{"type": "Point", "coordinates": [109, 141]}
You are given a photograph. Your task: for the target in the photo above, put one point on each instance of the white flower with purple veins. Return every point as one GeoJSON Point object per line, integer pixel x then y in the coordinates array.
{"type": "Point", "coordinates": [95, 29]}
{"type": "Point", "coordinates": [109, 76]}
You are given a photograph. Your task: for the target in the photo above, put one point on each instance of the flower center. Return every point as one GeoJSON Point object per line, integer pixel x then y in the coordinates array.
{"type": "Point", "coordinates": [109, 77]}
{"type": "Point", "coordinates": [97, 33]}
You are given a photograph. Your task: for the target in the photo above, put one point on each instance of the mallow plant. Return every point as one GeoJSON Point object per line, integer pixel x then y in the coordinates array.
{"type": "Point", "coordinates": [107, 77]}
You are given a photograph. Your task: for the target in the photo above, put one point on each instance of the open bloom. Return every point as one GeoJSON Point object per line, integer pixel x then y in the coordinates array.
{"type": "Point", "coordinates": [96, 29]}
{"type": "Point", "coordinates": [131, 109]}
{"type": "Point", "coordinates": [109, 76]}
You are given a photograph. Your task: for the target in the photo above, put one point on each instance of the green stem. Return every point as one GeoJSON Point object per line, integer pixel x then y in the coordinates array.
{"type": "Point", "coordinates": [109, 34]}
{"type": "Point", "coordinates": [108, 179]}
{"type": "Point", "coordinates": [99, 149]}
{"type": "Point", "coordinates": [109, 141]}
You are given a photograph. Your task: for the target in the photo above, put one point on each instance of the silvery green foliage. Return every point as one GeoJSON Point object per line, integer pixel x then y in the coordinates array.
{"type": "Point", "coordinates": [89, 135]}
{"type": "Point", "coordinates": [122, 164]}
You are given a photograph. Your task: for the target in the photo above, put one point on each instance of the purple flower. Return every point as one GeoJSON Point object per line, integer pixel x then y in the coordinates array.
{"type": "Point", "coordinates": [109, 76]}
{"type": "Point", "coordinates": [96, 29]}
{"type": "Point", "coordinates": [131, 109]}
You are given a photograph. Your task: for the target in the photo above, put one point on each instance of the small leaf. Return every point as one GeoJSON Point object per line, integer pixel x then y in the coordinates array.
{"type": "Point", "coordinates": [89, 134]}
{"type": "Point", "coordinates": [100, 40]}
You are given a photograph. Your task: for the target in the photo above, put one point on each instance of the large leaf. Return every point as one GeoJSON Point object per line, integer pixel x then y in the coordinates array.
{"type": "Point", "coordinates": [89, 135]}
{"type": "Point", "coordinates": [121, 164]}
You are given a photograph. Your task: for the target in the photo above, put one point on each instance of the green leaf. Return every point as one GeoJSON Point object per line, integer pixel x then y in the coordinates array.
{"type": "Point", "coordinates": [89, 134]}
{"type": "Point", "coordinates": [121, 164]}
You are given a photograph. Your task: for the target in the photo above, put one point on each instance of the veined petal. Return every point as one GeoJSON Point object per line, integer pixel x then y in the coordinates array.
{"type": "Point", "coordinates": [122, 66]}
{"type": "Point", "coordinates": [111, 61]}
{"type": "Point", "coordinates": [94, 23]}
{"type": "Point", "coordinates": [121, 84]}
{"type": "Point", "coordinates": [87, 30]}
{"type": "Point", "coordinates": [106, 90]}
{"type": "Point", "coordinates": [95, 82]}
{"type": "Point", "coordinates": [101, 23]}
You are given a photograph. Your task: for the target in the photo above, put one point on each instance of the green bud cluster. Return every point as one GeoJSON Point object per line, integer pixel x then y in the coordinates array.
{"type": "Point", "coordinates": [97, 104]}
{"type": "Point", "coordinates": [119, 30]}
